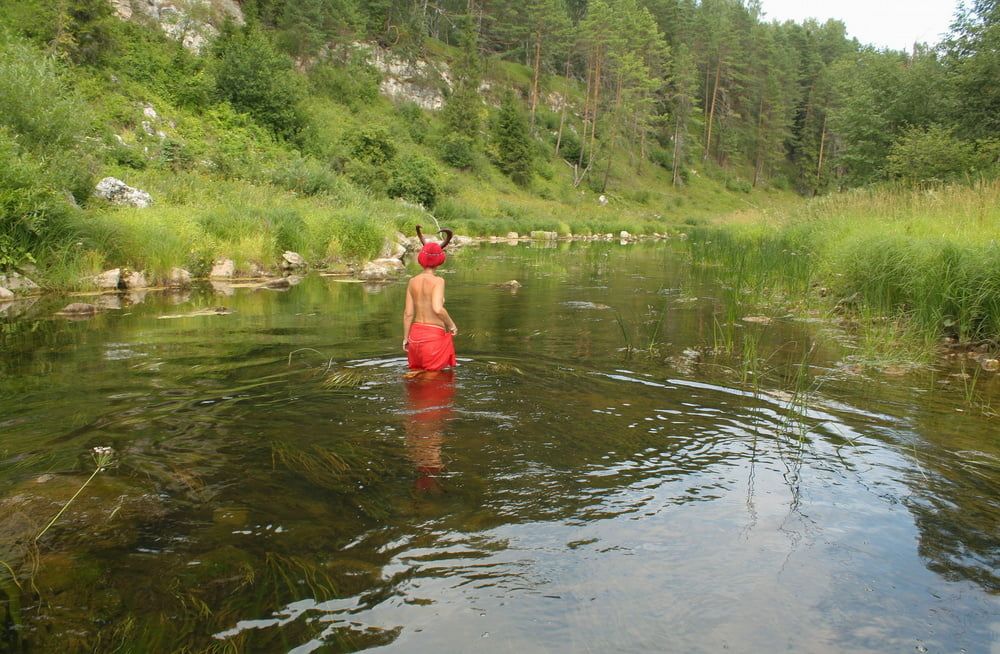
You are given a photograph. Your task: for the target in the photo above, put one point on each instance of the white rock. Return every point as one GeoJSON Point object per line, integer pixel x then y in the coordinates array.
{"type": "Point", "coordinates": [17, 282]}
{"type": "Point", "coordinates": [135, 279]}
{"type": "Point", "coordinates": [118, 192]}
{"type": "Point", "coordinates": [149, 112]}
{"type": "Point", "coordinates": [624, 235]}
{"type": "Point", "coordinates": [512, 236]}
{"type": "Point", "coordinates": [178, 277]}
{"type": "Point", "coordinates": [603, 200]}
{"type": "Point", "coordinates": [392, 250]}
{"type": "Point", "coordinates": [223, 269]}
{"type": "Point", "coordinates": [381, 269]}
{"type": "Point", "coordinates": [6, 294]}
{"type": "Point", "coordinates": [109, 280]}
{"type": "Point", "coordinates": [291, 260]}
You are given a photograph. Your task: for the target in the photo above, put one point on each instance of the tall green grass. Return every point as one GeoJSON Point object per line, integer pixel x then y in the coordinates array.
{"type": "Point", "coordinates": [927, 257]}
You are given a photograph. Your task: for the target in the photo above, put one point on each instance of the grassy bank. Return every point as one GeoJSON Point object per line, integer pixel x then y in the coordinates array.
{"type": "Point", "coordinates": [910, 265]}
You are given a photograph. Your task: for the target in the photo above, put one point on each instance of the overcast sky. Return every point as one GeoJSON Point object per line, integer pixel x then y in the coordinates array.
{"type": "Point", "coordinates": [884, 23]}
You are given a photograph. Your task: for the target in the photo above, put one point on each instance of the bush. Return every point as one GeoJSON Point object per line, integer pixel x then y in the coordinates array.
{"type": "Point", "coordinates": [372, 144]}
{"type": "Point", "coordinates": [928, 155]}
{"type": "Point", "coordinates": [255, 78]}
{"type": "Point", "coordinates": [738, 185]}
{"type": "Point", "coordinates": [414, 178]}
{"type": "Point", "coordinates": [354, 84]}
{"type": "Point", "coordinates": [457, 151]}
{"type": "Point", "coordinates": [415, 120]}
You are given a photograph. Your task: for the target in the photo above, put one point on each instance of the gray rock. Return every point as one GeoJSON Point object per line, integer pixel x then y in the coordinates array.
{"type": "Point", "coordinates": [109, 280]}
{"type": "Point", "coordinates": [112, 301]}
{"type": "Point", "coordinates": [462, 241]}
{"type": "Point", "coordinates": [392, 250]}
{"type": "Point", "coordinates": [6, 295]}
{"type": "Point", "coordinates": [292, 260]}
{"type": "Point", "coordinates": [223, 269]}
{"type": "Point", "coordinates": [381, 269]}
{"type": "Point", "coordinates": [135, 279]}
{"type": "Point", "coordinates": [118, 192]}
{"type": "Point", "coordinates": [17, 283]}
{"type": "Point", "coordinates": [512, 285]}
{"type": "Point", "coordinates": [178, 277]}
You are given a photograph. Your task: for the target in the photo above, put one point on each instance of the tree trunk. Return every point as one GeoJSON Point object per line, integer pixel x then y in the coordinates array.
{"type": "Point", "coordinates": [819, 165]}
{"type": "Point", "coordinates": [711, 111]}
{"type": "Point", "coordinates": [759, 159]}
{"type": "Point", "coordinates": [586, 117]}
{"type": "Point", "coordinates": [562, 114]}
{"type": "Point", "coordinates": [534, 80]}
{"type": "Point", "coordinates": [597, 99]}
{"type": "Point", "coordinates": [678, 151]}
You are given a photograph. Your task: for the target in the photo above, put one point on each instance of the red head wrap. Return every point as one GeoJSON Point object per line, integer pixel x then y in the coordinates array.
{"type": "Point", "coordinates": [431, 255]}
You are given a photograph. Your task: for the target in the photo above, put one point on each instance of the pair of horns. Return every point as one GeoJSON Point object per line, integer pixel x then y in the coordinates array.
{"type": "Point", "coordinates": [448, 234]}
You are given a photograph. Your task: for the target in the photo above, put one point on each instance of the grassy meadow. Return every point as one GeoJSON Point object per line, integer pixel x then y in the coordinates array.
{"type": "Point", "coordinates": [910, 266]}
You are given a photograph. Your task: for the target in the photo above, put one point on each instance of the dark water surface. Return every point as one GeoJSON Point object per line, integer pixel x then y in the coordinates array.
{"type": "Point", "coordinates": [557, 493]}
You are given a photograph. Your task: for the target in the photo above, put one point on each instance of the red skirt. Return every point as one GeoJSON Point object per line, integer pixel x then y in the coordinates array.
{"type": "Point", "coordinates": [429, 347]}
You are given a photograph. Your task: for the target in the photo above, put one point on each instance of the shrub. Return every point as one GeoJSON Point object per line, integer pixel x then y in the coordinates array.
{"type": "Point", "coordinates": [932, 154]}
{"type": "Point", "coordinates": [457, 151]}
{"type": "Point", "coordinates": [738, 185]}
{"type": "Point", "coordinates": [255, 78]}
{"type": "Point", "coordinates": [414, 178]}
{"type": "Point", "coordinates": [372, 144]}
{"type": "Point", "coordinates": [415, 120]}
{"type": "Point", "coordinates": [354, 84]}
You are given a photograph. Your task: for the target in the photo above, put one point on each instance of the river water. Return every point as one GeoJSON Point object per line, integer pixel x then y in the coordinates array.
{"type": "Point", "coordinates": [589, 479]}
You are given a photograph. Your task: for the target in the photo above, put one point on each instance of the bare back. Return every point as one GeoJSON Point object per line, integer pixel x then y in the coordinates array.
{"type": "Point", "coordinates": [426, 292]}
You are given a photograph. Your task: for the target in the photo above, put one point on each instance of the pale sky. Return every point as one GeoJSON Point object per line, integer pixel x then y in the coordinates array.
{"type": "Point", "coordinates": [894, 24]}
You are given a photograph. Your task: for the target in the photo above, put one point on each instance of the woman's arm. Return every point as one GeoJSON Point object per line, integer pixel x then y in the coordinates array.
{"type": "Point", "coordinates": [407, 316]}
{"type": "Point", "coordinates": [437, 306]}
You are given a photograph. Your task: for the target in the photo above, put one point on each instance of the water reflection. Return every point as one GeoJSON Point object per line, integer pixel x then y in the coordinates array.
{"type": "Point", "coordinates": [429, 398]}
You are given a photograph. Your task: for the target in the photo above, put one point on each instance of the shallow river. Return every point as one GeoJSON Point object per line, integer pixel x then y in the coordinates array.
{"type": "Point", "coordinates": [589, 479]}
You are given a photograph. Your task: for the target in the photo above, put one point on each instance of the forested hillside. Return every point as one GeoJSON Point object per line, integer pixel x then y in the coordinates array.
{"type": "Point", "coordinates": [267, 125]}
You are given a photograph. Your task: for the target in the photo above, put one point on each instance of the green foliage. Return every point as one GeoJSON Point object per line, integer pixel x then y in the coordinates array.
{"type": "Point", "coordinates": [372, 145]}
{"type": "Point", "coordinates": [255, 78]}
{"type": "Point", "coordinates": [457, 150]}
{"type": "Point", "coordinates": [511, 144]}
{"type": "Point", "coordinates": [414, 178]}
{"type": "Point", "coordinates": [930, 155]}
{"type": "Point", "coordinates": [354, 84]}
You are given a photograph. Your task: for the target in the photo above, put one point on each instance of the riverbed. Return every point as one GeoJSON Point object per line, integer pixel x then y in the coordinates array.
{"type": "Point", "coordinates": [594, 476]}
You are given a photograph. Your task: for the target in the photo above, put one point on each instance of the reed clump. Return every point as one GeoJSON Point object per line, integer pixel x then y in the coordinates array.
{"type": "Point", "coordinates": [926, 258]}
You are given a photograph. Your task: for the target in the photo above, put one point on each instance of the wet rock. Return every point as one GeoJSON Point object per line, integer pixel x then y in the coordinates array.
{"type": "Point", "coordinates": [17, 283]}
{"type": "Point", "coordinates": [109, 280]}
{"type": "Point", "coordinates": [512, 285]}
{"type": "Point", "coordinates": [6, 295]}
{"type": "Point", "coordinates": [294, 280]}
{"type": "Point", "coordinates": [292, 261]}
{"type": "Point", "coordinates": [134, 279]}
{"type": "Point", "coordinates": [178, 277]}
{"type": "Point", "coordinates": [214, 311]}
{"type": "Point", "coordinates": [380, 269]}
{"type": "Point", "coordinates": [118, 192]}
{"type": "Point", "coordinates": [990, 365]}
{"type": "Point", "coordinates": [138, 296]}
{"type": "Point", "coordinates": [392, 250]}
{"type": "Point", "coordinates": [223, 288]}
{"type": "Point", "coordinates": [16, 308]}
{"type": "Point", "coordinates": [757, 320]}
{"type": "Point", "coordinates": [279, 284]}
{"type": "Point", "coordinates": [223, 269]}
{"type": "Point", "coordinates": [78, 309]}
{"type": "Point", "coordinates": [462, 241]}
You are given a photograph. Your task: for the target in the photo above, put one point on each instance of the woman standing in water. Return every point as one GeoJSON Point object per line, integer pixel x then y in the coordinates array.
{"type": "Point", "coordinates": [428, 330]}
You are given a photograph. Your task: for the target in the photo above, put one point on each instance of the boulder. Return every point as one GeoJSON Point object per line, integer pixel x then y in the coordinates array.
{"type": "Point", "coordinates": [17, 282]}
{"type": "Point", "coordinates": [6, 295]}
{"type": "Point", "coordinates": [392, 250]}
{"type": "Point", "coordinates": [381, 269]}
{"type": "Point", "coordinates": [462, 241]}
{"type": "Point", "coordinates": [625, 236]}
{"type": "Point", "coordinates": [990, 365]}
{"type": "Point", "coordinates": [512, 236]}
{"type": "Point", "coordinates": [292, 260]}
{"type": "Point", "coordinates": [135, 279]}
{"type": "Point", "coordinates": [78, 309]}
{"type": "Point", "coordinates": [109, 280]}
{"type": "Point", "coordinates": [118, 192]}
{"type": "Point", "coordinates": [178, 277]}
{"type": "Point", "coordinates": [223, 269]}
{"type": "Point", "coordinates": [512, 285]}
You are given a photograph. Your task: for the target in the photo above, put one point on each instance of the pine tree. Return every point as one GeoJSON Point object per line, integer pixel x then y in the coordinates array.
{"type": "Point", "coordinates": [512, 143]}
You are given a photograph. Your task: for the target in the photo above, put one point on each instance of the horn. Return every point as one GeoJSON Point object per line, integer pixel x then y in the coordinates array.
{"type": "Point", "coordinates": [448, 234]}
{"type": "Point", "coordinates": [420, 235]}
